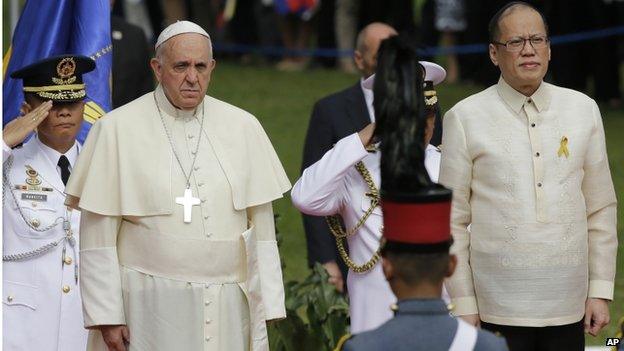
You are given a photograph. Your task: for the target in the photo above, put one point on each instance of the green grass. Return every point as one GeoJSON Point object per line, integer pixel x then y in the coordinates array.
{"type": "Point", "coordinates": [283, 102]}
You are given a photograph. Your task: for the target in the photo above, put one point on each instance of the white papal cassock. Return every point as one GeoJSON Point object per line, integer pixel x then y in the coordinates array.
{"type": "Point", "coordinates": [206, 285]}
{"type": "Point", "coordinates": [333, 186]}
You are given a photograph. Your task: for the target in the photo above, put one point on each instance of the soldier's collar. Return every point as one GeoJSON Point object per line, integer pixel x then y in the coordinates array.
{"type": "Point", "coordinates": [421, 306]}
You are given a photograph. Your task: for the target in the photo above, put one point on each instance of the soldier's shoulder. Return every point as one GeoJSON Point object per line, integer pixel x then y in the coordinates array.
{"type": "Point", "coordinates": [362, 343]}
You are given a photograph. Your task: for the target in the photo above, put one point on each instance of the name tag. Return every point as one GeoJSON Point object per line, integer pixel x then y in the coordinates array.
{"type": "Point", "coordinates": [35, 197]}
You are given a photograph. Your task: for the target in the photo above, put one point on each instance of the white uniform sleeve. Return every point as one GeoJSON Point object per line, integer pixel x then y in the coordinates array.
{"type": "Point", "coordinates": [320, 190]}
{"type": "Point", "coordinates": [6, 151]}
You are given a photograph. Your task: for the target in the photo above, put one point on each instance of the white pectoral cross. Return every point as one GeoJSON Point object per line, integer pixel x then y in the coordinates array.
{"type": "Point", "coordinates": [188, 201]}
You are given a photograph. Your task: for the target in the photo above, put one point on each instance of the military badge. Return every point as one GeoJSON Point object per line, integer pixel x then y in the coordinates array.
{"type": "Point", "coordinates": [66, 67]}
{"type": "Point", "coordinates": [33, 176]}
{"type": "Point", "coordinates": [33, 183]}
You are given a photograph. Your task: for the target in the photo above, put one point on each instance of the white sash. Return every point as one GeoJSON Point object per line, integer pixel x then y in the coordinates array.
{"type": "Point", "coordinates": [465, 337]}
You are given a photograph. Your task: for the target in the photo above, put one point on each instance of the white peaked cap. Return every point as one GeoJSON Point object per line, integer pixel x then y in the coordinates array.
{"type": "Point", "coordinates": [180, 27]}
{"type": "Point", "coordinates": [433, 72]}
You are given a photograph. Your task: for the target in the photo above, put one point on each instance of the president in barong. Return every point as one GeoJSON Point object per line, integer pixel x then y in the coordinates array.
{"type": "Point", "coordinates": [178, 240]}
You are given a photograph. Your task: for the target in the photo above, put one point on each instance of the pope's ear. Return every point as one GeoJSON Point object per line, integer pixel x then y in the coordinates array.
{"type": "Point", "coordinates": [156, 67]}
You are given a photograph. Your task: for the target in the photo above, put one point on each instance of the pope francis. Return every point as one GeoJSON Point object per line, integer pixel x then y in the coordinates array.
{"type": "Point", "coordinates": [178, 243]}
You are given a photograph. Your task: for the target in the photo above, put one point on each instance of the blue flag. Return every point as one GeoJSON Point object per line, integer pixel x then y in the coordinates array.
{"type": "Point", "coordinates": [54, 27]}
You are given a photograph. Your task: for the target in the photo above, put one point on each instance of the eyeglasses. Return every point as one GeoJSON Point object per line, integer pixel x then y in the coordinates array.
{"type": "Point", "coordinates": [517, 44]}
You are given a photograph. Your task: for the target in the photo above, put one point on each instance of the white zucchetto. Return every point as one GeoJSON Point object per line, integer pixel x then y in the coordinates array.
{"type": "Point", "coordinates": [177, 28]}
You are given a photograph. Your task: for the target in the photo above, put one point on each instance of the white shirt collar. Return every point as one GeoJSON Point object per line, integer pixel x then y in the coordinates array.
{"type": "Point", "coordinates": [368, 96]}
{"type": "Point", "coordinates": [515, 100]}
{"type": "Point", "coordinates": [53, 155]}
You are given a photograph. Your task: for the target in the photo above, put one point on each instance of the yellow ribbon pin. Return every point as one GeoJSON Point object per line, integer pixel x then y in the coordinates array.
{"type": "Point", "coordinates": [563, 148]}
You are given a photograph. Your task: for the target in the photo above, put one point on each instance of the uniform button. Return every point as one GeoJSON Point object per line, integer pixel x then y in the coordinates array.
{"type": "Point", "coordinates": [208, 321]}
{"type": "Point", "coordinates": [190, 136]}
{"type": "Point", "coordinates": [35, 222]}
{"type": "Point", "coordinates": [208, 338]}
{"type": "Point", "coordinates": [68, 260]}
{"type": "Point", "coordinates": [34, 204]}
{"type": "Point", "coordinates": [193, 152]}
{"type": "Point", "coordinates": [529, 101]}
{"type": "Point", "coordinates": [209, 235]}
{"type": "Point", "coordinates": [533, 125]}
{"type": "Point", "coordinates": [66, 288]}
{"type": "Point", "coordinates": [10, 298]}
{"type": "Point", "coordinates": [206, 217]}
{"type": "Point", "coordinates": [200, 184]}
{"type": "Point", "coordinates": [537, 154]}
{"type": "Point", "coordinates": [196, 168]}
{"type": "Point", "coordinates": [539, 185]}
{"type": "Point", "coordinates": [207, 303]}
{"type": "Point", "coordinates": [203, 200]}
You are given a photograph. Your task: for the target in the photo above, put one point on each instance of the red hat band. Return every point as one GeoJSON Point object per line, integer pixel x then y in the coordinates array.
{"type": "Point", "coordinates": [416, 223]}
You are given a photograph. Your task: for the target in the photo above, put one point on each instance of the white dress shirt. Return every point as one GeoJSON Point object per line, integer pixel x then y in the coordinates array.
{"type": "Point", "coordinates": [53, 155]}
{"type": "Point", "coordinates": [368, 97]}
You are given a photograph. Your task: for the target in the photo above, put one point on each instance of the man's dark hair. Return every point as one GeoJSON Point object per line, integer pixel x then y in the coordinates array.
{"type": "Point", "coordinates": [494, 26]}
{"type": "Point", "coordinates": [415, 269]}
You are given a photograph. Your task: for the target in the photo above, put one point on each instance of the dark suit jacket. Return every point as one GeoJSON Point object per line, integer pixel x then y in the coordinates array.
{"type": "Point", "coordinates": [419, 324]}
{"type": "Point", "coordinates": [132, 76]}
{"type": "Point", "coordinates": [333, 118]}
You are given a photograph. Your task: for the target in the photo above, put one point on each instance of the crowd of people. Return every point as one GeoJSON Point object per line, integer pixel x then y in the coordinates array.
{"type": "Point", "coordinates": [491, 228]}
{"type": "Point", "coordinates": [300, 26]}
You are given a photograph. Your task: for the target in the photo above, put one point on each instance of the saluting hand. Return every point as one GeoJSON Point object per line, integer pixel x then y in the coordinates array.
{"type": "Point", "coordinates": [18, 129]}
{"type": "Point", "coordinates": [366, 134]}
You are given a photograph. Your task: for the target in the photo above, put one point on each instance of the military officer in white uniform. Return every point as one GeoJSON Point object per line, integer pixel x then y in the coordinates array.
{"type": "Point", "coordinates": [42, 307]}
{"type": "Point", "coordinates": [346, 182]}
